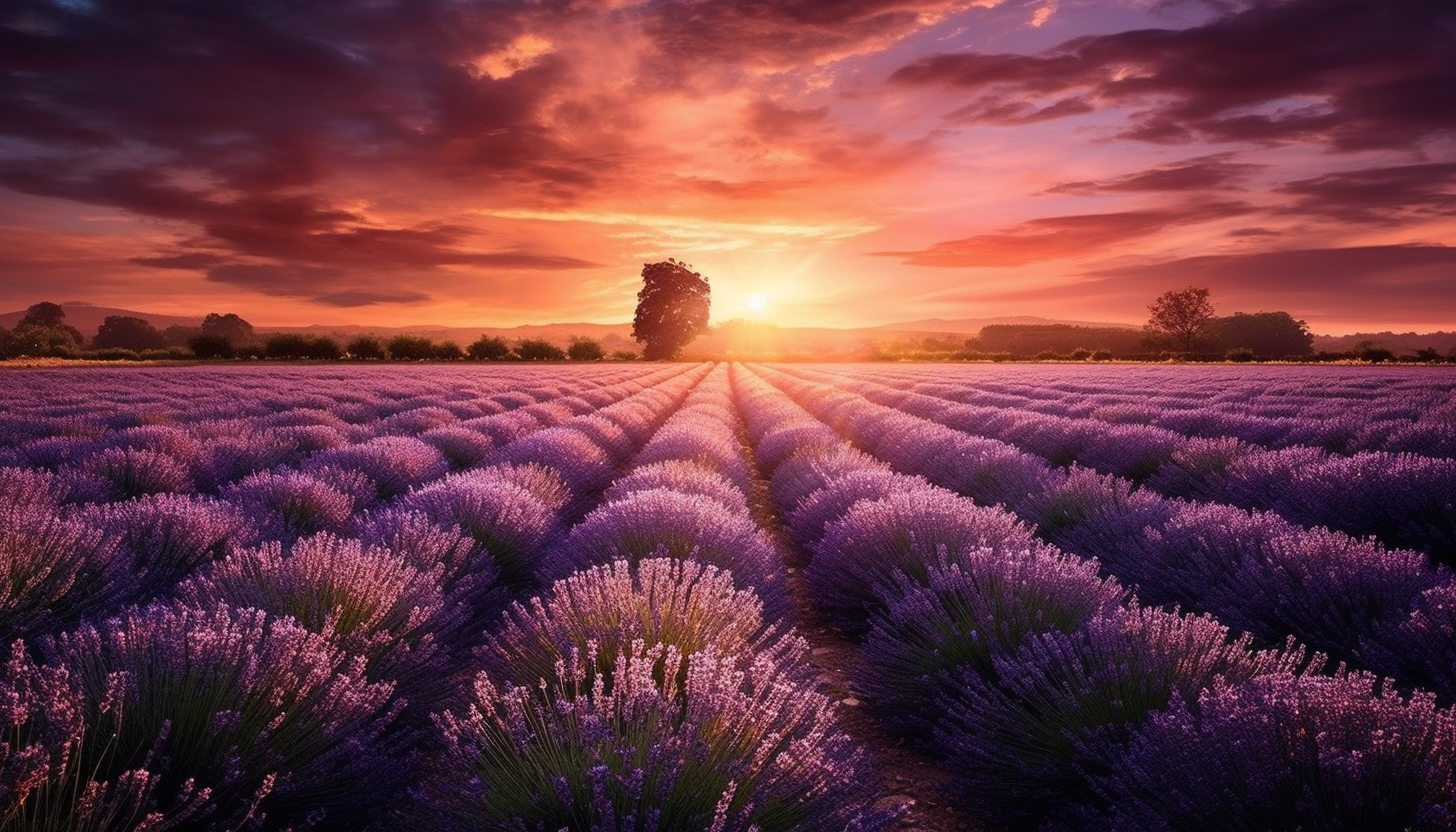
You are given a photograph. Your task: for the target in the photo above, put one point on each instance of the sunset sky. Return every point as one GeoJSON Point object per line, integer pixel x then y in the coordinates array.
{"type": "Point", "coordinates": [832, 163]}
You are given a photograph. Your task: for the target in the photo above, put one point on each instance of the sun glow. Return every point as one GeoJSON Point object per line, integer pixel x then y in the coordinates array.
{"type": "Point", "coordinates": [757, 305]}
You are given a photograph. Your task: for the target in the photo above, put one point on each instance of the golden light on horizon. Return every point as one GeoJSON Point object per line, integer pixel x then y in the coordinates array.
{"type": "Point", "coordinates": [757, 305]}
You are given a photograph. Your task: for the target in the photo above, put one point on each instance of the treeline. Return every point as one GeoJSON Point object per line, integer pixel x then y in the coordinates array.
{"type": "Point", "coordinates": [1241, 337]}
{"type": "Point", "coordinates": [43, 333]}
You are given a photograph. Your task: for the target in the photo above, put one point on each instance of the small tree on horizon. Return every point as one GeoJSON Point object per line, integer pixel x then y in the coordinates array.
{"type": "Point", "coordinates": [489, 348]}
{"type": "Point", "coordinates": [582, 348]}
{"type": "Point", "coordinates": [539, 349]}
{"type": "Point", "coordinates": [128, 332]}
{"type": "Point", "coordinates": [1181, 316]}
{"type": "Point", "coordinates": [365, 348]}
{"type": "Point", "coordinates": [672, 309]}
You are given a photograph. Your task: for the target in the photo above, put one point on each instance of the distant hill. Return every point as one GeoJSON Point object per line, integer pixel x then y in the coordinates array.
{"type": "Point", "coordinates": [88, 318]}
{"type": "Point", "coordinates": [972, 326]}
{"type": "Point", "coordinates": [1400, 343]}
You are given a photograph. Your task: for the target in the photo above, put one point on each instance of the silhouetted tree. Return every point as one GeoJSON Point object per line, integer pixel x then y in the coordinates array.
{"type": "Point", "coordinates": [585, 349]}
{"type": "Point", "coordinates": [1267, 334]}
{"type": "Point", "coordinates": [489, 348]}
{"type": "Point", "coordinates": [365, 348]}
{"type": "Point", "coordinates": [128, 333]}
{"type": "Point", "coordinates": [210, 346]}
{"type": "Point", "coordinates": [7, 344]}
{"type": "Point", "coordinates": [229, 326]}
{"type": "Point", "coordinates": [672, 308]}
{"type": "Point", "coordinates": [42, 331]}
{"type": "Point", "coordinates": [1181, 316]}
{"type": "Point", "coordinates": [447, 351]}
{"type": "Point", "coordinates": [178, 335]}
{"type": "Point", "coordinates": [539, 349]}
{"type": "Point", "coordinates": [411, 348]}
{"type": "Point", "coordinates": [44, 313]}
{"type": "Point", "coordinates": [290, 345]}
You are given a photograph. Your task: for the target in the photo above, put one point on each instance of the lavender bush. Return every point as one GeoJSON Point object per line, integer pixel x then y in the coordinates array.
{"type": "Point", "coordinates": [965, 614]}
{"type": "Point", "coordinates": [1286, 751]}
{"type": "Point", "coordinates": [603, 610]}
{"type": "Point", "coordinates": [735, 747]}
{"type": "Point", "coordinates": [865, 552]}
{"type": "Point", "coordinates": [659, 523]}
{"type": "Point", "coordinates": [1022, 741]}
{"type": "Point", "coordinates": [270, 719]}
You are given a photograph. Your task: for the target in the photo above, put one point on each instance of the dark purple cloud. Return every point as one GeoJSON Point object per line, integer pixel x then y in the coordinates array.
{"type": "Point", "coordinates": [1354, 74]}
{"type": "Point", "coordinates": [1205, 173]}
{"type": "Point", "coordinates": [1056, 238]}
{"type": "Point", "coordinates": [1377, 196]}
{"type": "Point", "coordinates": [1399, 281]}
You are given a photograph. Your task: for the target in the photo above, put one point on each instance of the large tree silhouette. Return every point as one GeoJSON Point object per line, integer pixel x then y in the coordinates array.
{"type": "Point", "coordinates": [1181, 316]}
{"type": "Point", "coordinates": [672, 309]}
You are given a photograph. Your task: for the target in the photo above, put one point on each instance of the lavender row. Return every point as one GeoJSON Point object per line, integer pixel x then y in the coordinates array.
{"type": "Point", "coordinates": [1050, 695]}
{"type": "Point", "coordinates": [1405, 500]}
{"type": "Point", "coordinates": [1387, 610]}
{"type": "Point", "coordinates": [287, 684]}
{"type": "Point", "coordinates": [1400, 411]}
{"type": "Point", "coordinates": [656, 685]}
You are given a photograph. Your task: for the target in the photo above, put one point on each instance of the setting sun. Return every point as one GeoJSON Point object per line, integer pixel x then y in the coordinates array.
{"type": "Point", "coordinates": [757, 305]}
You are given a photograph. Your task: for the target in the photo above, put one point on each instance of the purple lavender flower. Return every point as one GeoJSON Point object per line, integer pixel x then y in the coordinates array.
{"type": "Point", "coordinates": [123, 473]}
{"type": "Point", "coordinates": [801, 475]}
{"type": "Point", "coordinates": [161, 539]}
{"type": "Point", "coordinates": [31, 488]}
{"type": "Point", "coordinates": [686, 604]}
{"type": "Point", "coordinates": [367, 600]}
{"type": "Point", "coordinates": [1019, 741]}
{"type": "Point", "coordinates": [966, 614]}
{"type": "Point", "coordinates": [506, 519]}
{"type": "Point", "coordinates": [807, 522]}
{"type": "Point", "coordinates": [864, 553]}
{"type": "Point", "coordinates": [1286, 751]}
{"type": "Point", "coordinates": [47, 771]}
{"type": "Point", "coordinates": [659, 522]}
{"type": "Point", "coordinates": [1419, 649]}
{"type": "Point", "coordinates": [461, 447]}
{"type": "Point", "coordinates": [267, 716]}
{"type": "Point", "coordinates": [582, 463]}
{"type": "Point", "coordinates": [53, 572]}
{"type": "Point", "coordinates": [734, 747]}
{"type": "Point", "coordinates": [394, 464]}
{"type": "Point", "coordinates": [683, 476]}
{"type": "Point", "coordinates": [287, 505]}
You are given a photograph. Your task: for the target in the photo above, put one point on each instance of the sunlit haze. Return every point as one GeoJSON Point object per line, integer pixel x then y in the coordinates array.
{"type": "Point", "coordinates": [822, 163]}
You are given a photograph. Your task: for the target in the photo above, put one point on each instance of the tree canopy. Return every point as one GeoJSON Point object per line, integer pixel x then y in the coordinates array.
{"type": "Point", "coordinates": [128, 333]}
{"type": "Point", "coordinates": [43, 331]}
{"type": "Point", "coordinates": [228, 326]}
{"type": "Point", "coordinates": [672, 309]}
{"type": "Point", "coordinates": [1267, 334]}
{"type": "Point", "coordinates": [1181, 316]}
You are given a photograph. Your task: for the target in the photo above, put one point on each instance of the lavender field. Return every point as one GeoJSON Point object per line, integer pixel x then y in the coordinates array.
{"type": "Point", "coordinates": [573, 597]}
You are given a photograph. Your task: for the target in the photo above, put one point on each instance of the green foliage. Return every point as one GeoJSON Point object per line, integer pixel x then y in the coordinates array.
{"type": "Point", "coordinates": [447, 351]}
{"type": "Point", "coordinates": [1265, 334]}
{"type": "Point", "coordinates": [411, 348]}
{"type": "Point", "coordinates": [489, 348]}
{"type": "Point", "coordinates": [228, 326]}
{"type": "Point", "coordinates": [539, 349]}
{"type": "Point", "coordinates": [43, 332]}
{"type": "Point", "coordinates": [365, 348]}
{"type": "Point", "coordinates": [585, 349]}
{"type": "Point", "coordinates": [293, 346]}
{"type": "Point", "coordinates": [1181, 317]}
{"type": "Point", "coordinates": [672, 309]}
{"type": "Point", "coordinates": [1239, 355]}
{"type": "Point", "coordinates": [128, 333]}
